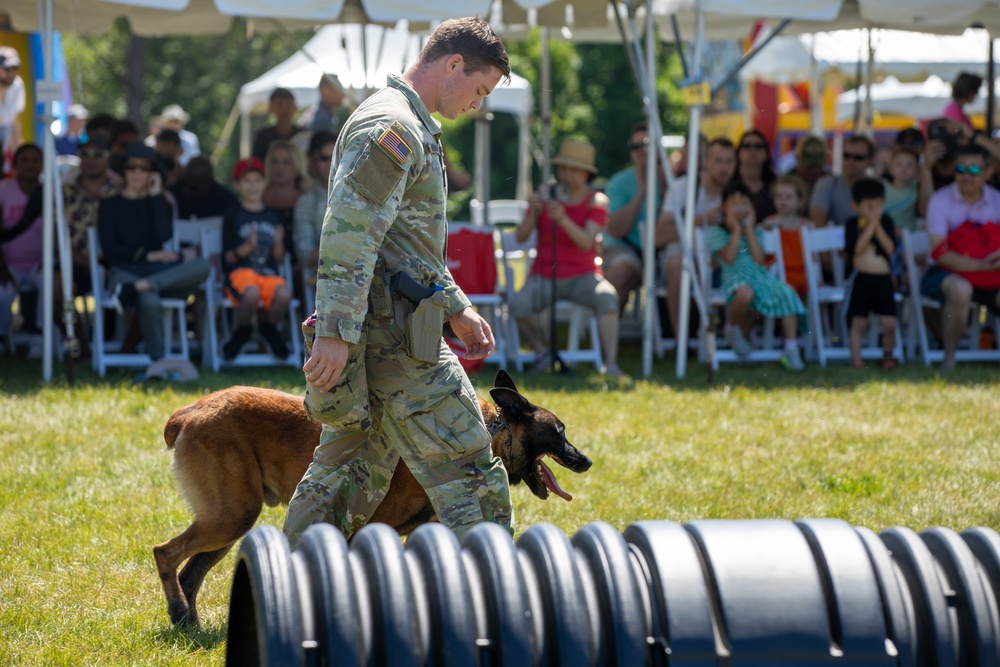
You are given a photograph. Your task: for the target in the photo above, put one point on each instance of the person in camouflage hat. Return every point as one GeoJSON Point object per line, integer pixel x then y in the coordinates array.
{"type": "Point", "coordinates": [379, 376]}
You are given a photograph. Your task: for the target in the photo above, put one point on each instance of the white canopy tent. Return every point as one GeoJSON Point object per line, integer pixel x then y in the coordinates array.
{"type": "Point", "coordinates": [922, 100]}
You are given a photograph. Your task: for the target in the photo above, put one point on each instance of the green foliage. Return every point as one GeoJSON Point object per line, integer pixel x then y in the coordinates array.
{"type": "Point", "coordinates": [86, 491]}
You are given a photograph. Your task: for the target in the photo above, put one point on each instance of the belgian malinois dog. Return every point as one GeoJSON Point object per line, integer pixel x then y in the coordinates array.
{"type": "Point", "coordinates": [242, 447]}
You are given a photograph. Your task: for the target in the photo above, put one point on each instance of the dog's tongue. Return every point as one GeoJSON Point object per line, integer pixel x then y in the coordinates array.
{"type": "Point", "coordinates": [549, 480]}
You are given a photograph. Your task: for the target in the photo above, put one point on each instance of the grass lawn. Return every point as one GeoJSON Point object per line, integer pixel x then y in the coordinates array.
{"type": "Point", "coordinates": [86, 490]}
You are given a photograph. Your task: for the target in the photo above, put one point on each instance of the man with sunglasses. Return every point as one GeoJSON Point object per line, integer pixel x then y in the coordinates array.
{"type": "Point", "coordinates": [957, 277]}
{"type": "Point", "coordinates": [830, 202]}
{"type": "Point", "coordinates": [12, 100]}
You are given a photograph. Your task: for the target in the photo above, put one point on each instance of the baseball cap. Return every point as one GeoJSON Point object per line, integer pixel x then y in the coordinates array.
{"type": "Point", "coordinates": [812, 151]}
{"type": "Point", "coordinates": [9, 57]}
{"type": "Point", "coordinates": [78, 111]}
{"type": "Point", "coordinates": [245, 165]}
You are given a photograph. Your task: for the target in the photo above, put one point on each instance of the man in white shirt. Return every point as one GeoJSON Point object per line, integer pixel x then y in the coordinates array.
{"type": "Point", "coordinates": [12, 100]}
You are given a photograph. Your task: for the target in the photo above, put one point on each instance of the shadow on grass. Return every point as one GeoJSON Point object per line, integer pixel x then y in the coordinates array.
{"type": "Point", "coordinates": [191, 639]}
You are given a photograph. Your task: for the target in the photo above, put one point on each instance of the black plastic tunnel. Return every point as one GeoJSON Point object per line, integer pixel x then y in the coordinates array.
{"type": "Point", "coordinates": [706, 593]}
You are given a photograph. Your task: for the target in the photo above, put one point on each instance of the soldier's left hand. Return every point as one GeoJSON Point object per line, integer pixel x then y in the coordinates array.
{"type": "Point", "coordinates": [475, 332]}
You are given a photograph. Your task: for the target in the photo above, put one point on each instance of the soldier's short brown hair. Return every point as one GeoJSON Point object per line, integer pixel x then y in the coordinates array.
{"type": "Point", "coordinates": [473, 39]}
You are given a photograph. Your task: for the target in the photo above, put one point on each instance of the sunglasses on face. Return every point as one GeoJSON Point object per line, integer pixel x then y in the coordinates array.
{"type": "Point", "coordinates": [93, 153]}
{"type": "Point", "coordinates": [970, 169]}
{"type": "Point", "coordinates": [138, 166]}
{"type": "Point", "coordinates": [859, 157]}
{"type": "Point", "coordinates": [753, 146]}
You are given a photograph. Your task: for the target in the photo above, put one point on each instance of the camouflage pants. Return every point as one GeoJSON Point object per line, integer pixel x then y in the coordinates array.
{"type": "Point", "coordinates": [388, 405]}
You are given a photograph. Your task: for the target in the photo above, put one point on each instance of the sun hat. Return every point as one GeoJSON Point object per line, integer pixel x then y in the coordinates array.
{"type": "Point", "coordinates": [175, 112]}
{"type": "Point", "coordinates": [576, 153]}
{"type": "Point", "coordinates": [247, 164]}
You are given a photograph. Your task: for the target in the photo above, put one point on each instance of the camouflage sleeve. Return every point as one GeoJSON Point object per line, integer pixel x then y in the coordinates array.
{"type": "Point", "coordinates": [457, 301]}
{"type": "Point", "coordinates": [365, 197]}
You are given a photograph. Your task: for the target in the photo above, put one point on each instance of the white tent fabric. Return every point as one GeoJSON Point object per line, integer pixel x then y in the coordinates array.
{"type": "Point", "coordinates": [899, 53]}
{"type": "Point", "coordinates": [925, 100]}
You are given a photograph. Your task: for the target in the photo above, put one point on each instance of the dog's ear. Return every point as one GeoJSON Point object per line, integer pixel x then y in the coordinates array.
{"type": "Point", "coordinates": [503, 379]}
{"type": "Point", "coordinates": [515, 407]}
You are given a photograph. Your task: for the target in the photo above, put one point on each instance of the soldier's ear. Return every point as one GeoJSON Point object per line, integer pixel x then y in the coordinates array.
{"type": "Point", "coordinates": [456, 63]}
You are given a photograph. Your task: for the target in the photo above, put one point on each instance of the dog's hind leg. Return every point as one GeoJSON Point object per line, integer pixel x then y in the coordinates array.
{"type": "Point", "coordinates": [193, 574]}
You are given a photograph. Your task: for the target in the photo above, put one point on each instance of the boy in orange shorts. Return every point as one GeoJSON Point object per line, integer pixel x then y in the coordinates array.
{"type": "Point", "coordinates": [252, 249]}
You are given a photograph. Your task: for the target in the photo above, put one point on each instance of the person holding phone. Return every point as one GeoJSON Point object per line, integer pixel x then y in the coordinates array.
{"type": "Point", "coordinates": [132, 227]}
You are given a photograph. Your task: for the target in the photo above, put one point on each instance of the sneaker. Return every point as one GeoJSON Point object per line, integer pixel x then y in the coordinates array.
{"type": "Point", "coordinates": [273, 339]}
{"type": "Point", "coordinates": [792, 361]}
{"type": "Point", "coordinates": [615, 371]}
{"type": "Point", "coordinates": [124, 297]}
{"type": "Point", "coordinates": [888, 363]}
{"type": "Point", "coordinates": [233, 346]}
{"type": "Point", "coordinates": [741, 346]}
{"type": "Point", "coordinates": [541, 363]}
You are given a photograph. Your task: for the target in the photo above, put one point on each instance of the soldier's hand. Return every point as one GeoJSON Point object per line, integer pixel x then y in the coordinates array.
{"type": "Point", "coordinates": [323, 368]}
{"type": "Point", "coordinates": [474, 331]}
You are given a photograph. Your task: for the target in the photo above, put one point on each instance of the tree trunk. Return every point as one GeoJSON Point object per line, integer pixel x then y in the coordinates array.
{"type": "Point", "coordinates": [135, 88]}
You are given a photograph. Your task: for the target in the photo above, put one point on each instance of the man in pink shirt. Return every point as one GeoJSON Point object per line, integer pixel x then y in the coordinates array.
{"type": "Point", "coordinates": [968, 199]}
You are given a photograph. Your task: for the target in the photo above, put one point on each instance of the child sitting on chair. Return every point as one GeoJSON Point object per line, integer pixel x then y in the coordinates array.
{"type": "Point", "coordinates": [869, 241]}
{"type": "Point", "coordinates": [789, 200]}
{"type": "Point", "coordinates": [252, 249]}
{"type": "Point", "coordinates": [748, 287]}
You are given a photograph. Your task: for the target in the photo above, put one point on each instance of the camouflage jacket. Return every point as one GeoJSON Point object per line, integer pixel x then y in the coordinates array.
{"type": "Point", "coordinates": [387, 199]}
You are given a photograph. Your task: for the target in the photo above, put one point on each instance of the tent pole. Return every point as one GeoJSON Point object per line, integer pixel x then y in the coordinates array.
{"type": "Point", "coordinates": [648, 249]}
{"type": "Point", "coordinates": [684, 315]}
{"type": "Point", "coordinates": [749, 56]}
{"type": "Point", "coordinates": [48, 223]}
{"type": "Point", "coordinates": [546, 90]}
{"type": "Point", "coordinates": [991, 101]}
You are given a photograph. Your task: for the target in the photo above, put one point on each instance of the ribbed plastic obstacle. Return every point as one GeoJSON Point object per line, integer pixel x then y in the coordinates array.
{"type": "Point", "coordinates": [739, 593]}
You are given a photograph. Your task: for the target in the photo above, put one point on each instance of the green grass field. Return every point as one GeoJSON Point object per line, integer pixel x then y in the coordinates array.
{"type": "Point", "coordinates": [86, 489]}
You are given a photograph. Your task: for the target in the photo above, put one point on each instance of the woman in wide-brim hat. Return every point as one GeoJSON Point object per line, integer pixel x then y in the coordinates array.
{"type": "Point", "coordinates": [576, 214]}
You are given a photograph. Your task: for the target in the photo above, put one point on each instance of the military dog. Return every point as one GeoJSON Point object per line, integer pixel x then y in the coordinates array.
{"type": "Point", "coordinates": [242, 447]}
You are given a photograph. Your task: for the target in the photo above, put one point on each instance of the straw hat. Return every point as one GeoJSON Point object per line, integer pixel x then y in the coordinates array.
{"type": "Point", "coordinates": [576, 153]}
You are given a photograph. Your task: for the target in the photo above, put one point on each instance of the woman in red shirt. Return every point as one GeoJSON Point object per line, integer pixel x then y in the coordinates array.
{"type": "Point", "coordinates": [576, 214]}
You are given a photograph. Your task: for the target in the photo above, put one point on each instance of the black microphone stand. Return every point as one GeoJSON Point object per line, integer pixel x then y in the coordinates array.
{"type": "Point", "coordinates": [557, 365]}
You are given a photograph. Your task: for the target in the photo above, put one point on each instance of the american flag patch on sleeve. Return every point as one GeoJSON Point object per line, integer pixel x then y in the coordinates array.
{"type": "Point", "coordinates": [394, 145]}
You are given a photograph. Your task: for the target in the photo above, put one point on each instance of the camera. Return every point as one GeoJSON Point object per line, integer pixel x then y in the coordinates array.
{"type": "Point", "coordinates": [555, 192]}
{"type": "Point", "coordinates": [940, 130]}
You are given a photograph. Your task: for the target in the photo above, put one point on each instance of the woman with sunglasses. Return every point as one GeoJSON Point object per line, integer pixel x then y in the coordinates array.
{"type": "Point", "coordinates": [755, 169]}
{"type": "Point", "coordinates": [133, 227]}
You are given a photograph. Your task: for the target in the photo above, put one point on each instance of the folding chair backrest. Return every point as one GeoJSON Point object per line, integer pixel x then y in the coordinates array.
{"type": "Point", "coordinates": [472, 257]}
{"type": "Point", "coordinates": [501, 211]}
{"type": "Point", "coordinates": [96, 272]}
{"type": "Point", "coordinates": [819, 240]}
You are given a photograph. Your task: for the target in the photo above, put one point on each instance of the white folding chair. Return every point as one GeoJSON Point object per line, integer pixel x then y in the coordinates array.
{"type": "Point", "coordinates": [916, 250]}
{"type": "Point", "coordinates": [516, 260]}
{"type": "Point", "coordinates": [766, 347]}
{"type": "Point", "coordinates": [827, 324]}
{"type": "Point", "coordinates": [219, 314]}
{"type": "Point", "coordinates": [499, 211]}
{"type": "Point", "coordinates": [472, 260]}
{"type": "Point", "coordinates": [109, 353]}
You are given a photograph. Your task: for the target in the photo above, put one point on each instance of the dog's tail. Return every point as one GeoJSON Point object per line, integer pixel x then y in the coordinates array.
{"type": "Point", "coordinates": [174, 426]}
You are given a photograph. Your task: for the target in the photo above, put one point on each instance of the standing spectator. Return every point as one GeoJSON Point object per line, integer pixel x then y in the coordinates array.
{"type": "Point", "coordinates": [287, 180]}
{"type": "Point", "coordinates": [21, 232]}
{"type": "Point", "coordinates": [830, 202]}
{"type": "Point", "coordinates": [869, 243]}
{"type": "Point", "coordinates": [169, 152]}
{"type": "Point", "coordinates": [253, 247]}
{"type": "Point", "coordinates": [283, 109]}
{"type": "Point", "coordinates": [964, 90]}
{"type": "Point", "coordinates": [810, 163]}
{"type": "Point", "coordinates": [575, 213]}
{"type": "Point", "coordinates": [310, 209]}
{"type": "Point", "coordinates": [68, 143]}
{"type": "Point", "coordinates": [133, 227]}
{"type": "Point", "coordinates": [789, 193]}
{"type": "Point", "coordinates": [331, 111]}
{"type": "Point", "coordinates": [12, 101]}
{"type": "Point", "coordinates": [198, 194]}
{"type": "Point", "coordinates": [902, 189]}
{"type": "Point", "coordinates": [755, 168]}
{"type": "Point", "coordinates": [173, 117]}
{"type": "Point", "coordinates": [720, 167]}
{"type": "Point", "coordinates": [957, 275]}
{"type": "Point", "coordinates": [623, 238]}
{"type": "Point", "coordinates": [748, 287]}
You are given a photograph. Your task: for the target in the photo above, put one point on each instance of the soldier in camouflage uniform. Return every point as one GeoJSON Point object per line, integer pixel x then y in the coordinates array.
{"type": "Point", "coordinates": [380, 377]}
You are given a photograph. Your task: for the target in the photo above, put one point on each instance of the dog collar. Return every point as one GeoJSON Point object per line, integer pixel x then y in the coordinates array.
{"type": "Point", "coordinates": [498, 425]}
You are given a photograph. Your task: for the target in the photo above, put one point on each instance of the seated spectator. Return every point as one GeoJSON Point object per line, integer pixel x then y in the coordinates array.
{"type": "Point", "coordinates": [810, 163]}
{"type": "Point", "coordinates": [755, 168]}
{"type": "Point", "coordinates": [287, 180]}
{"type": "Point", "coordinates": [21, 234]}
{"type": "Point", "coordinates": [748, 287]}
{"type": "Point", "coordinates": [965, 241]}
{"type": "Point", "coordinates": [173, 117]}
{"type": "Point", "coordinates": [902, 189]}
{"type": "Point", "coordinates": [133, 227]}
{"type": "Point", "coordinates": [68, 143]}
{"type": "Point", "coordinates": [310, 209]}
{"type": "Point", "coordinates": [169, 151]}
{"type": "Point", "coordinates": [252, 250]}
{"type": "Point", "coordinates": [623, 238]}
{"type": "Point", "coordinates": [575, 213]}
{"type": "Point", "coordinates": [830, 202]}
{"type": "Point", "coordinates": [198, 194]}
{"type": "Point", "coordinates": [720, 166]}
{"type": "Point", "coordinates": [789, 199]}
{"type": "Point", "coordinates": [869, 244]}
{"type": "Point", "coordinates": [283, 108]}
